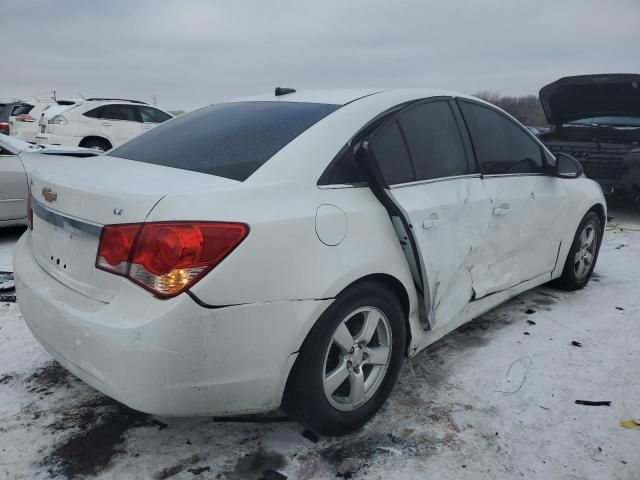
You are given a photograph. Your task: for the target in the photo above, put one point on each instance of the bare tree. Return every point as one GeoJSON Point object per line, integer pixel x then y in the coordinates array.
{"type": "Point", "coordinates": [526, 109]}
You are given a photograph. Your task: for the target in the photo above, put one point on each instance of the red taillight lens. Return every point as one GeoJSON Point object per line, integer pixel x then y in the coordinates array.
{"type": "Point", "coordinates": [25, 117]}
{"type": "Point", "coordinates": [29, 212]}
{"type": "Point", "coordinates": [167, 257]}
{"type": "Point", "coordinates": [114, 250]}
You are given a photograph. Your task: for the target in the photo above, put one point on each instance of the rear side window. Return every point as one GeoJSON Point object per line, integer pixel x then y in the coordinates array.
{"type": "Point", "coordinates": [95, 113]}
{"type": "Point", "coordinates": [229, 140]}
{"type": "Point", "coordinates": [21, 108]}
{"type": "Point", "coordinates": [501, 146]}
{"type": "Point", "coordinates": [434, 141]}
{"type": "Point", "coordinates": [119, 112]}
{"type": "Point", "coordinates": [152, 115]}
{"type": "Point", "coordinates": [392, 155]}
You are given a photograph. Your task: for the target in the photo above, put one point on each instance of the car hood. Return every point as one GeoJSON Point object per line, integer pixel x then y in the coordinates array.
{"type": "Point", "coordinates": [585, 96]}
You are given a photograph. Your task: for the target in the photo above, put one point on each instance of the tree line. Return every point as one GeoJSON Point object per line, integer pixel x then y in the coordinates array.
{"type": "Point", "coordinates": [526, 109]}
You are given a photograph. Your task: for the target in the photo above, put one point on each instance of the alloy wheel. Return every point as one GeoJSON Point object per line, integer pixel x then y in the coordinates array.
{"type": "Point", "coordinates": [357, 358]}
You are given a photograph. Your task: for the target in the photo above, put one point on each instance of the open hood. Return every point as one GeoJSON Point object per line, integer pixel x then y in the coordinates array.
{"type": "Point", "coordinates": [585, 96]}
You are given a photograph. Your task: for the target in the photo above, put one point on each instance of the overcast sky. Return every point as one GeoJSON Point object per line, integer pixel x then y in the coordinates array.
{"type": "Point", "coordinates": [193, 53]}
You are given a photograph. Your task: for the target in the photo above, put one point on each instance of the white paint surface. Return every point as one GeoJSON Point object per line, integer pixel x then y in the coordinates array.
{"type": "Point", "coordinates": [485, 402]}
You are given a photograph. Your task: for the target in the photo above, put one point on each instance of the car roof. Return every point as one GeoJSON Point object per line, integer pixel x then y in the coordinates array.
{"type": "Point", "coordinates": [345, 96]}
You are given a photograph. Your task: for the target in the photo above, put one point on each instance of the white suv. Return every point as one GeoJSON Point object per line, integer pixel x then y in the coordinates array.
{"type": "Point", "coordinates": [99, 123]}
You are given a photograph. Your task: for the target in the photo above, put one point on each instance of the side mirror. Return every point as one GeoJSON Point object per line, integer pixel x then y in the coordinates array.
{"type": "Point", "coordinates": [567, 166]}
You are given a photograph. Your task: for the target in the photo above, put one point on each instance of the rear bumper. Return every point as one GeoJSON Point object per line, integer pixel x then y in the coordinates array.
{"type": "Point", "coordinates": [165, 357]}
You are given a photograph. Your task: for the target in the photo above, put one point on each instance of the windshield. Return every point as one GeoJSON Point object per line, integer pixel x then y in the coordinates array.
{"type": "Point", "coordinates": [230, 140]}
{"type": "Point", "coordinates": [608, 121]}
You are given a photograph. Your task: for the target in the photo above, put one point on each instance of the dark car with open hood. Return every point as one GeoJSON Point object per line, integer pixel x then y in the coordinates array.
{"type": "Point", "coordinates": [596, 119]}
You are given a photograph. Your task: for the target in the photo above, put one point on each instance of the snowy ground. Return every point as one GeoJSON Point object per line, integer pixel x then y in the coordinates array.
{"type": "Point", "coordinates": [493, 400]}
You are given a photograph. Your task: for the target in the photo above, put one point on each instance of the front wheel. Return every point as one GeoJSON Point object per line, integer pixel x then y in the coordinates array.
{"type": "Point", "coordinates": [349, 362]}
{"type": "Point", "coordinates": [583, 254]}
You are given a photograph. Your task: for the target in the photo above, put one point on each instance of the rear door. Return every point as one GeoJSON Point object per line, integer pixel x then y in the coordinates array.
{"type": "Point", "coordinates": [13, 187]}
{"type": "Point", "coordinates": [525, 228]}
{"type": "Point", "coordinates": [427, 163]}
{"type": "Point", "coordinates": [119, 123]}
{"type": "Point", "coordinates": [151, 117]}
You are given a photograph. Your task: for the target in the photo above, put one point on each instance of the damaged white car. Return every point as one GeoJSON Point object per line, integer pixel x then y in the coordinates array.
{"type": "Point", "coordinates": [292, 249]}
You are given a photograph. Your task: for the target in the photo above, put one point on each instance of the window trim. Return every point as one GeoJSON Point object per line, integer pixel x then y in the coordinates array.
{"type": "Point", "coordinates": [392, 115]}
{"type": "Point", "coordinates": [435, 180]}
{"type": "Point", "coordinates": [546, 168]}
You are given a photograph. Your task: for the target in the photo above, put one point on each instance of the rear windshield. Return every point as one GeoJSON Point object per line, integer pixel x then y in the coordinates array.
{"type": "Point", "coordinates": [229, 140]}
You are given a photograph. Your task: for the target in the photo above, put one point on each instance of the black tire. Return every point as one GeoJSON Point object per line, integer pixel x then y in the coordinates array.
{"type": "Point", "coordinates": [570, 279]}
{"type": "Point", "coordinates": [97, 143]}
{"type": "Point", "coordinates": [305, 399]}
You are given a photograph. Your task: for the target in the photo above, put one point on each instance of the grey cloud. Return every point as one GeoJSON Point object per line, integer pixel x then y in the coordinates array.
{"type": "Point", "coordinates": [198, 52]}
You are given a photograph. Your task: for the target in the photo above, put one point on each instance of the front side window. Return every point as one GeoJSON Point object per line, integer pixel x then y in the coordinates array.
{"type": "Point", "coordinates": [230, 140]}
{"type": "Point", "coordinates": [501, 146]}
{"type": "Point", "coordinates": [119, 112]}
{"type": "Point", "coordinates": [152, 115]}
{"type": "Point", "coordinates": [434, 141]}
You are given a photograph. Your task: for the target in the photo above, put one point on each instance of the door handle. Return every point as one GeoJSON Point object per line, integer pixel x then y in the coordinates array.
{"type": "Point", "coordinates": [105, 124]}
{"type": "Point", "coordinates": [501, 210]}
{"type": "Point", "coordinates": [432, 222]}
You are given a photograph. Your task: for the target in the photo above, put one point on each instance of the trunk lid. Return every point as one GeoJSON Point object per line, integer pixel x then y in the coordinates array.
{"type": "Point", "coordinates": [74, 197]}
{"type": "Point", "coordinates": [585, 96]}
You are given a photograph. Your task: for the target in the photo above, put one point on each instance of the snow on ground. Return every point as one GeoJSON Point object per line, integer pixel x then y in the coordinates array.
{"type": "Point", "coordinates": [493, 400]}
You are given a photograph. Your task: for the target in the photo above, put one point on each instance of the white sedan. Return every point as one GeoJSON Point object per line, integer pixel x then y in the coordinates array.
{"type": "Point", "coordinates": [293, 249]}
{"type": "Point", "coordinates": [13, 178]}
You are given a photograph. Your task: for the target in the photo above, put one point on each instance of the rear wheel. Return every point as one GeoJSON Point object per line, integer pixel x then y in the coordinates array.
{"type": "Point", "coordinates": [349, 362]}
{"type": "Point", "coordinates": [583, 254]}
{"type": "Point", "coordinates": [97, 144]}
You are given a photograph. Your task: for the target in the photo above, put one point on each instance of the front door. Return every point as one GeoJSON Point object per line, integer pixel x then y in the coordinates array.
{"type": "Point", "coordinates": [431, 177]}
{"type": "Point", "coordinates": [525, 228]}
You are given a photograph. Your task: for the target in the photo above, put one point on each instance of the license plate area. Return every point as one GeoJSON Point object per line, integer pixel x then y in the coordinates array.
{"type": "Point", "coordinates": [68, 254]}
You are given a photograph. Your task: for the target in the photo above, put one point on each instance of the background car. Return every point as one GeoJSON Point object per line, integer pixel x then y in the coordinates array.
{"type": "Point", "coordinates": [9, 111]}
{"type": "Point", "coordinates": [294, 249]}
{"type": "Point", "coordinates": [596, 119]}
{"type": "Point", "coordinates": [98, 123]}
{"type": "Point", "coordinates": [24, 124]}
{"type": "Point", "coordinates": [13, 178]}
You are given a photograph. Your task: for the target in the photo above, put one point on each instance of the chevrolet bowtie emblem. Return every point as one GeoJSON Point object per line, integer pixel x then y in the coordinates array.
{"type": "Point", "coordinates": [49, 195]}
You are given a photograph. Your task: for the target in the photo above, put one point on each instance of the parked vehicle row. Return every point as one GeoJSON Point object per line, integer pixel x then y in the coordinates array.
{"type": "Point", "coordinates": [98, 123]}
{"type": "Point", "coordinates": [292, 249]}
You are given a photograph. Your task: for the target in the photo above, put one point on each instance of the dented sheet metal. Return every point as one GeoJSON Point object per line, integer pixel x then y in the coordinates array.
{"type": "Point", "coordinates": [450, 220]}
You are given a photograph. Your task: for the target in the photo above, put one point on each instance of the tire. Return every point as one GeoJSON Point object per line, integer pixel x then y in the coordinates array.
{"type": "Point", "coordinates": [337, 413]}
{"type": "Point", "coordinates": [97, 143]}
{"type": "Point", "coordinates": [576, 274]}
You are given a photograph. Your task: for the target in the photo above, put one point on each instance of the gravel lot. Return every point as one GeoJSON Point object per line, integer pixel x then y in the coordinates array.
{"type": "Point", "coordinates": [493, 400]}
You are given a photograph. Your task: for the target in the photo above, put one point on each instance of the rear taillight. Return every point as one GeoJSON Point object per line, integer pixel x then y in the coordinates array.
{"type": "Point", "coordinates": [25, 117]}
{"type": "Point", "coordinates": [4, 125]}
{"type": "Point", "coordinates": [167, 258]}
{"type": "Point", "coordinates": [29, 212]}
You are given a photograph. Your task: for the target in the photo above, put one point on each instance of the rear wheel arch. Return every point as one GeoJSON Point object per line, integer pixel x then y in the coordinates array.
{"type": "Point", "coordinates": [394, 285]}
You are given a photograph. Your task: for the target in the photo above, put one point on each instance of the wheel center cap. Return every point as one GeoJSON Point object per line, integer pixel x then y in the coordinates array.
{"type": "Point", "coordinates": [356, 356]}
